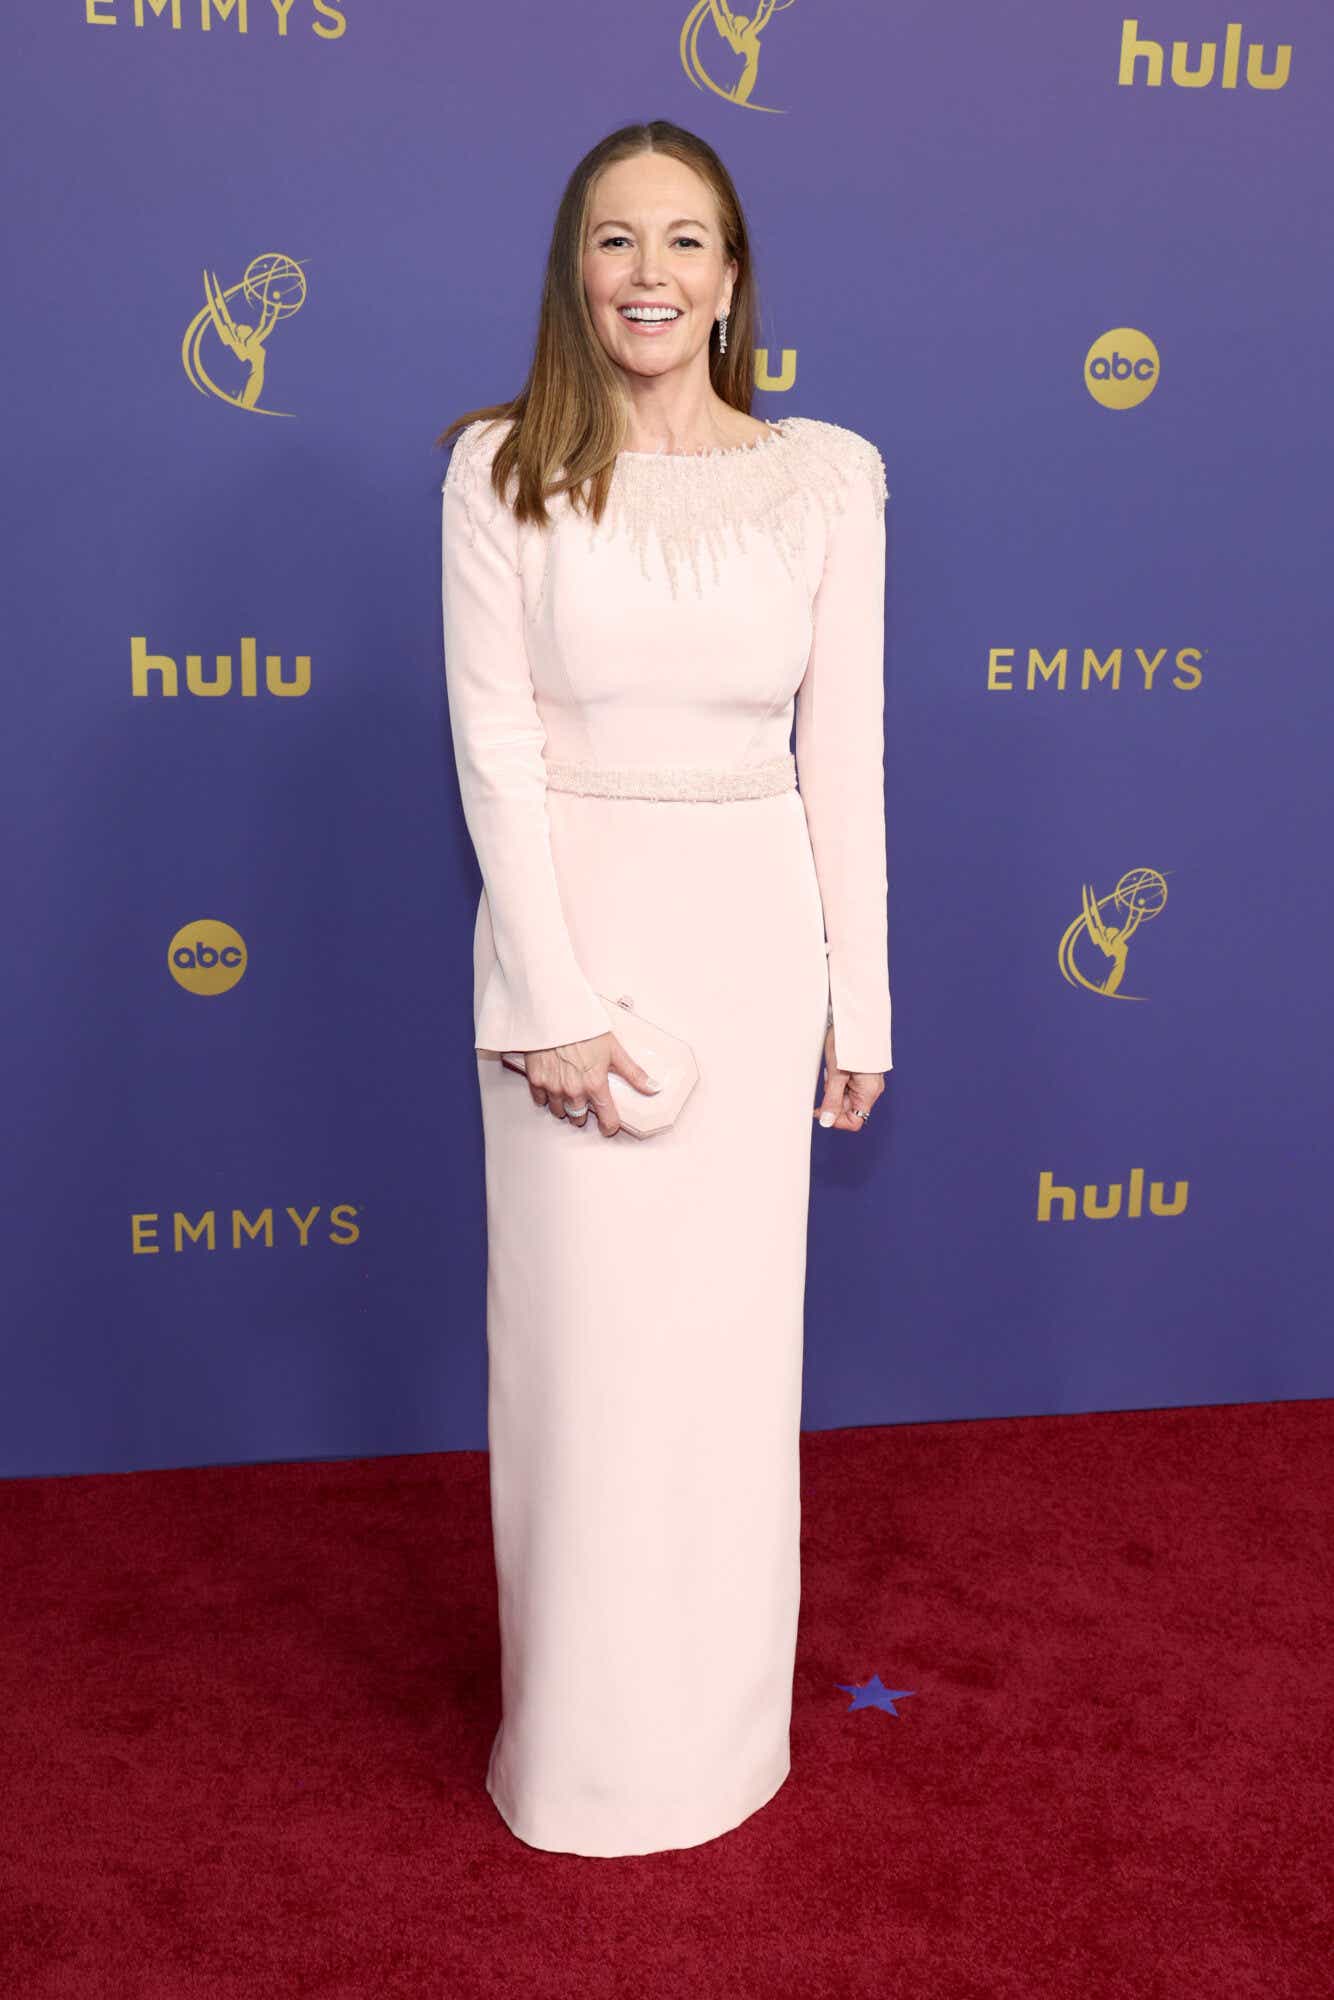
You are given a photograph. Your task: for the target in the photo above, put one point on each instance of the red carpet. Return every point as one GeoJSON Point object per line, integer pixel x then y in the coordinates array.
{"type": "Point", "coordinates": [246, 1713]}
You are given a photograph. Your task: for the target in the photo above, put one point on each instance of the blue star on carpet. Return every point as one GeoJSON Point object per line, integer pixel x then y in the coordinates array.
{"type": "Point", "coordinates": [873, 1694]}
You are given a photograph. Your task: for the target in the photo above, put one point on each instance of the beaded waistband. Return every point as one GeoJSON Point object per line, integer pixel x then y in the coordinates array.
{"type": "Point", "coordinates": [675, 781]}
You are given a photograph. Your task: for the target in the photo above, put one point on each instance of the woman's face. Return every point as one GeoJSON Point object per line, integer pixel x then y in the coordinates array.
{"type": "Point", "coordinates": [654, 239]}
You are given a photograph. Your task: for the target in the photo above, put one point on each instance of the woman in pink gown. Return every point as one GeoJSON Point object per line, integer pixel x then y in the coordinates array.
{"type": "Point", "coordinates": [622, 696]}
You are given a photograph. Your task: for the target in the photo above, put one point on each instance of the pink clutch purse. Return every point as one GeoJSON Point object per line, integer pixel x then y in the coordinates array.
{"type": "Point", "coordinates": [664, 1056]}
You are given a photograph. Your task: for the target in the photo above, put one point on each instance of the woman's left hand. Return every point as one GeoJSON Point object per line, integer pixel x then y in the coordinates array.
{"type": "Point", "coordinates": [846, 1092]}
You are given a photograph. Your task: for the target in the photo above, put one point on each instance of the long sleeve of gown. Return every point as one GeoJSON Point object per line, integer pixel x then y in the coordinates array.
{"type": "Point", "coordinates": [840, 763]}
{"type": "Point", "coordinates": [537, 995]}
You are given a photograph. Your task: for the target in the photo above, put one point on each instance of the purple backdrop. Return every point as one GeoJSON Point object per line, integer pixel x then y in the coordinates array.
{"type": "Point", "coordinates": [954, 208]}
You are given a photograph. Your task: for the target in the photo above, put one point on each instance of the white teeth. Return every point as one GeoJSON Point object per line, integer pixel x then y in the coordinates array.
{"type": "Point", "coordinates": [649, 312]}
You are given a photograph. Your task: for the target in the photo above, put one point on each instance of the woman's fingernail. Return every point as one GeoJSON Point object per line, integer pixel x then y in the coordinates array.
{"type": "Point", "coordinates": [653, 1083]}
{"type": "Point", "coordinates": [827, 1118]}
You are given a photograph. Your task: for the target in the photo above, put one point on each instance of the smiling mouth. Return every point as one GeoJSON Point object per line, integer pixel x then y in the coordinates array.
{"type": "Point", "coordinates": [653, 323]}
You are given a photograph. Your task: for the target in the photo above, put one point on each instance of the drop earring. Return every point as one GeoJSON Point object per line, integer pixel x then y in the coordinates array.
{"type": "Point", "coordinates": [722, 333]}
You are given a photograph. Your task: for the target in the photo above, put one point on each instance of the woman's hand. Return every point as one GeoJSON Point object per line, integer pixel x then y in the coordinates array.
{"type": "Point", "coordinates": [573, 1076]}
{"type": "Point", "coordinates": [846, 1091]}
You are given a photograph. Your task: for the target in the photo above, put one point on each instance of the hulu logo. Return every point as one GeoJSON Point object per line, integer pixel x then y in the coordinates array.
{"type": "Point", "coordinates": [1100, 1206]}
{"type": "Point", "coordinates": [160, 672]}
{"type": "Point", "coordinates": [1200, 74]}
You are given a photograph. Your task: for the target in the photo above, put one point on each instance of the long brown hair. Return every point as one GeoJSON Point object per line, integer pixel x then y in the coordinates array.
{"type": "Point", "coordinates": [569, 422]}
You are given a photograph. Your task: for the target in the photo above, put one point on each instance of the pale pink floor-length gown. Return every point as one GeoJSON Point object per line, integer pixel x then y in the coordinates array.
{"type": "Point", "coordinates": [622, 701]}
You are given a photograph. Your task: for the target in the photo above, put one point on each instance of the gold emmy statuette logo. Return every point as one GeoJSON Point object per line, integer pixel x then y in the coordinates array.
{"type": "Point", "coordinates": [1121, 368]}
{"type": "Point", "coordinates": [206, 956]}
{"type": "Point", "coordinates": [1137, 899]}
{"type": "Point", "coordinates": [1134, 46]}
{"type": "Point", "coordinates": [741, 33]}
{"type": "Point", "coordinates": [272, 288]}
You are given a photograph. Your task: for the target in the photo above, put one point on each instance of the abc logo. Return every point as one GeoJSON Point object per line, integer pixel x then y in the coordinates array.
{"type": "Point", "coordinates": [1121, 368]}
{"type": "Point", "coordinates": [206, 956]}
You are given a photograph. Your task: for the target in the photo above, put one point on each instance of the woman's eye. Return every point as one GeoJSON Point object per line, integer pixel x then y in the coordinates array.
{"type": "Point", "coordinates": [606, 242]}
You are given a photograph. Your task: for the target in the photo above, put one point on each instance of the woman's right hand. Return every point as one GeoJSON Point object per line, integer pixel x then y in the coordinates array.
{"type": "Point", "coordinates": [572, 1078]}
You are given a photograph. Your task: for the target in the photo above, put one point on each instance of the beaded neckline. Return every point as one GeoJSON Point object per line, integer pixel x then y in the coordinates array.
{"type": "Point", "coordinates": [748, 496]}
{"type": "Point", "coordinates": [738, 494]}
{"type": "Point", "coordinates": [778, 433]}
